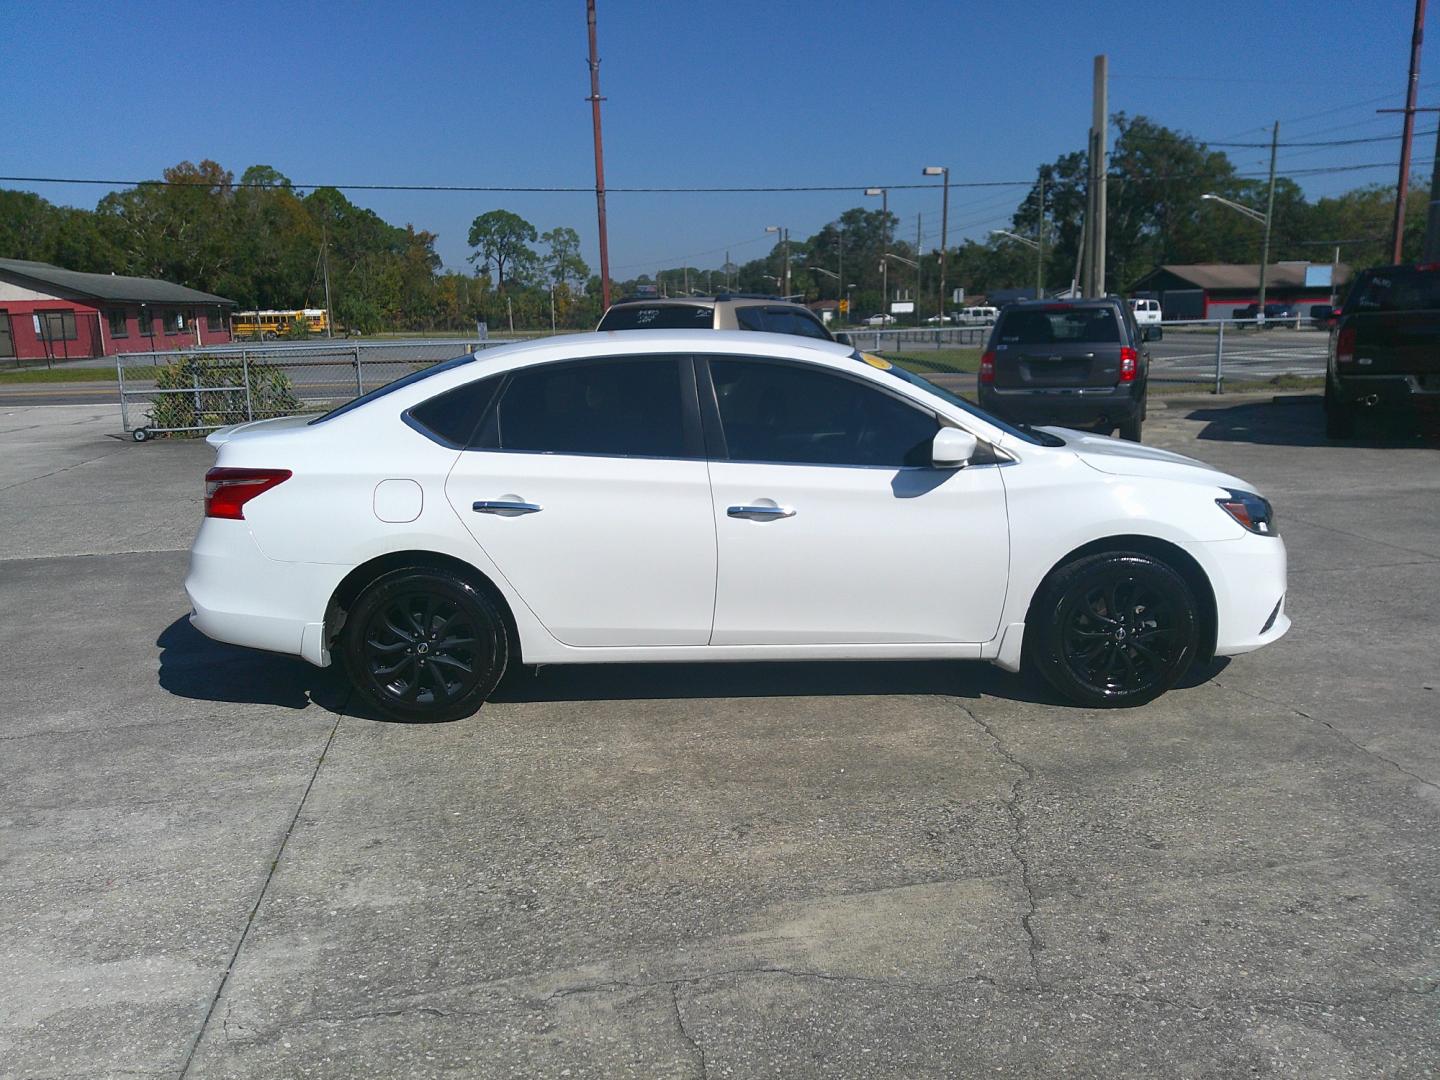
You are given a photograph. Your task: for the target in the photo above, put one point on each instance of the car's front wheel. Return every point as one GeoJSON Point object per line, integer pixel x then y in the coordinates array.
{"type": "Point", "coordinates": [1112, 630]}
{"type": "Point", "coordinates": [423, 644]}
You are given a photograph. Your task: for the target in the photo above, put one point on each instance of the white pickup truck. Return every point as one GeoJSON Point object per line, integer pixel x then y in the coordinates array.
{"type": "Point", "coordinates": [1147, 317]}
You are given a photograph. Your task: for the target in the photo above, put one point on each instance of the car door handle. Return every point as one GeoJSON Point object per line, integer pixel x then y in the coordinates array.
{"type": "Point", "coordinates": [501, 506]}
{"type": "Point", "coordinates": [761, 513]}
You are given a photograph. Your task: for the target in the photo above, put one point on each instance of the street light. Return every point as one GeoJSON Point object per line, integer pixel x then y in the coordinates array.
{"type": "Point", "coordinates": [941, 170]}
{"type": "Point", "coordinates": [785, 240]}
{"type": "Point", "coordinates": [916, 265]}
{"type": "Point", "coordinates": [1039, 256]}
{"type": "Point", "coordinates": [1263, 219]}
{"type": "Point", "coordinates": [884, 194]}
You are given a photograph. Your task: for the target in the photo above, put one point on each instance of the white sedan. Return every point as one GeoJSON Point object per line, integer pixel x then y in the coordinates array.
{"type": "Point", "coordinates": [703, 495]}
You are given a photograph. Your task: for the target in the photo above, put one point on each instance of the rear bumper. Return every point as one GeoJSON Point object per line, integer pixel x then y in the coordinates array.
{"type": "Point", "coordinates": [239, 596]}
{"type": "Point", "coordinates": [1388, 391]}
{"type": "Point", "coordinates": [1068, 408]}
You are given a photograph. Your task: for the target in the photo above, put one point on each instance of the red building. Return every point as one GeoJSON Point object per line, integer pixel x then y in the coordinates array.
{"type": "Point", "coordinates": [47, 313]}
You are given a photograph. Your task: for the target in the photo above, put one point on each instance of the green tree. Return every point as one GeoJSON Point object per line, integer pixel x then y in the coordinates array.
{"type": "Point", "coordinates": [562, 258]}
{"type": "Point", "coordinates": [503, 238]}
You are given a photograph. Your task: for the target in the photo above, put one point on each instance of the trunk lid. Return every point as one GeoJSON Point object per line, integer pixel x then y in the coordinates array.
{"type": "Point", "coordinates": [254, 428]}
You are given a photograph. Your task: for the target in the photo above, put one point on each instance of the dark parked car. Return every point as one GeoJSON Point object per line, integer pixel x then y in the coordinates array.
{"type": "Point", "coordinates": [1385, 347]}
{"type": "Point", "coordinates": [1079, 363]}
{"type": "Point", "coordinates": [1272, 311]}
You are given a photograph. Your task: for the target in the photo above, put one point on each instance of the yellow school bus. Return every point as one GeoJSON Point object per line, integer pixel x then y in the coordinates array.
{"type": "Point", "coordinates": [273, 324]}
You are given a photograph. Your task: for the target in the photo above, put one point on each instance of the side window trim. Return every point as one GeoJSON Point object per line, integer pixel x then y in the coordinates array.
{"type": "Point", "coordinates": [715, 429]}
{"type": "Point", "coordinates": [690, 419]}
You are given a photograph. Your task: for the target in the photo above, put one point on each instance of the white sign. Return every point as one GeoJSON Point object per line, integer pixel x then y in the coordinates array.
{"type": "Point", "coordinates": [902, 307]}
{"type": "Point", "coordinates": [958, 296]}
{"type": "Point", "coordinates": [1318, 277]}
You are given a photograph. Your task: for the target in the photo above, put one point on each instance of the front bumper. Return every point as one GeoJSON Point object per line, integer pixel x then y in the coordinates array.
{"type": "Point", "coordinates": [239, 596]}
{"type": "Point", "coordinates": [1248, 578]}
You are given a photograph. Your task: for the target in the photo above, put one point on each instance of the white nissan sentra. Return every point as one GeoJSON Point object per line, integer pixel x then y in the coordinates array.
{"type": "Point", "coordinates": [703, 495]}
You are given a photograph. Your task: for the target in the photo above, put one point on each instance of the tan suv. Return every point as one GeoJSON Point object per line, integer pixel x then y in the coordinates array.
{"type": "Point", "coordinates": [724, 312]}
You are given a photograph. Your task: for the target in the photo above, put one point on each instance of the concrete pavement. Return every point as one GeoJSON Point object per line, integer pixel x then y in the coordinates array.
{"type": "Point", "coordinates": [213, 867]}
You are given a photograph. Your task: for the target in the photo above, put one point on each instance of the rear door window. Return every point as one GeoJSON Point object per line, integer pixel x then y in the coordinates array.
{"type": "Point", "coordinates": [781, 320]}
{"type": "Point", "coordinates": [628, 407]}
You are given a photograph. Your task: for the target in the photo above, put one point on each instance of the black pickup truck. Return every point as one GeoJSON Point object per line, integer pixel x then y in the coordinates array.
{"type": "Point", "coordinates": [1384, 347]}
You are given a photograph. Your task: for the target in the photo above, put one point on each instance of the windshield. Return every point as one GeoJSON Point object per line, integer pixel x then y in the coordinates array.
{"type": "Point", "coordinates": [1395, 290]}
{"type": "Point", "coordinates": [407, 380]}
{"type": "Point", "coordinates": [1023, 432]}
{"type": "Point", "coordinates": [1028, 326]}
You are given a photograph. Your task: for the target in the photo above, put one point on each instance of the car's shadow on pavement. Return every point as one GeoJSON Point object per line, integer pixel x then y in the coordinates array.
{"type": "Point", "coordinates": [193, 666]}
{"type": "Point", "coordinates": [1300, 421]}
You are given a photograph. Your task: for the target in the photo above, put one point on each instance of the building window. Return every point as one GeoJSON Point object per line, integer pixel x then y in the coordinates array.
{"type": "Point", "coordinates": [215, 320]}
{"type": "Point", "coordinates": [174, 322]}
{"type": "Point", "coordinates": [55, 325]}
{"type": "Point", "coordinates": [115, 318]}
{"type": "Point", "coordinates": [145, 322]}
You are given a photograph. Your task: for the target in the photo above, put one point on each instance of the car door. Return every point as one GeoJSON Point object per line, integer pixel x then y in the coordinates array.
{"type": "Point", "coordinates": [587, 487]}
{"type": "Point", "coordinates": [833, 526]}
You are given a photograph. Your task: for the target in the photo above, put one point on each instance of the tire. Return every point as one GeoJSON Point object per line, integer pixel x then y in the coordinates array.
{"type": "Point", "coordinates": [1112, 630]}
{"type": "Point", "coordinates": [1130, 430]}
{"type": "Point", "coordinates": [140, 434]}
{"type": "Point", "coordinates": [1339, 420]}
{"type": "Point", "coordinates": [423, 645]}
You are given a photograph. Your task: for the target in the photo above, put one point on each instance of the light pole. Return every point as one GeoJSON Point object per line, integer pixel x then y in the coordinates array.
{"type": "Point", "coordinates": [907, 262]}
{"type": "Point", "coordinates": [785, 242]}
{"type": "Point", "coordinates": [838, 280]}
{"type": "Point", "coordinates": [1263, 219]}
{"type": "Point", "coordinates": [942, 170]}
{"type": "Point", "coordinates": [1039, 256]}
{"type": "Point", "coordinates": [884, 243]}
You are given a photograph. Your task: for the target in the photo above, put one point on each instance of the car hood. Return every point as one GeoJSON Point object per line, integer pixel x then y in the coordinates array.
{"type": "Point", "coordinates": [1121, 458]}
{"type": "Point", "coordinates": [221, 436]}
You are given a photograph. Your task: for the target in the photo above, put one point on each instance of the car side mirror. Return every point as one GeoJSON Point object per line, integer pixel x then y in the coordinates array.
{"type": "Point", "coordinates": [844, 339]}
{"type": "Point", "coordinates": [952, 448]}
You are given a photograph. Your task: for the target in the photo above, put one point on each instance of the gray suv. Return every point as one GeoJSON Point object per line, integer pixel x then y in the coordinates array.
{"type": "Point", "coordinates": [723, 312]}
{"type": "Point", "coordinates": [1076, 363]}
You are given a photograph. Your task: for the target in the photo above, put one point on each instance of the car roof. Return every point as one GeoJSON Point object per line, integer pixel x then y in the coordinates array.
{"type": "Point", "coordinates": [745, 299]}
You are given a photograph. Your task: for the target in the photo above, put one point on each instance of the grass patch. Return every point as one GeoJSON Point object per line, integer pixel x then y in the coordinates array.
{"type": "Point", "coordinates": [71, 375]}
{"type": "Point", "coordinates": [938, 361]}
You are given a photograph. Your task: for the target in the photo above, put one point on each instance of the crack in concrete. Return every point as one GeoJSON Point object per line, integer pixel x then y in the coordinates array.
{"type": "Point", "coordinates": [1358, 536]}
{"type": "Point", "coordinates": [67, 468]}
{"type": "Point", "coordinates": [1343, 736]}
{"type": "Point", "coordinates": [260, 898]}
{"type": "Point", "coordinates": [1015, 807]}
{"type": "Point", "coordinates": [696, 1050]}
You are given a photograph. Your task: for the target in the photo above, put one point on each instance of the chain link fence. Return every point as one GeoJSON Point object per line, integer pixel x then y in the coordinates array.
{"type": "Point", "coordinates": [1230, 354]}
{"type": "Point", "coordinates": [193, 391]}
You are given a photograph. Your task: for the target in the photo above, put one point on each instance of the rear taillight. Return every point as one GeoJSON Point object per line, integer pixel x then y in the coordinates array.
{"type": "Point", "coordinates": [987, 367]}
{"type": "Point", "coordinates": [1345, 345]}
{"type": "Point", "coordinates": [228, 490]}
{"type": "Point", "coordinates": [1129, 364]}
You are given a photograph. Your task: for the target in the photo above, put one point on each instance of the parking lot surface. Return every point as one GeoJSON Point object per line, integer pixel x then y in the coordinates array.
{"type": "Point", "coordinates": [213, 867]}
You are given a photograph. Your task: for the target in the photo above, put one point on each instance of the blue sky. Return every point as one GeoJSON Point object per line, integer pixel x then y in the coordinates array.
{"type": "Point", "coordinates": [732, 94]}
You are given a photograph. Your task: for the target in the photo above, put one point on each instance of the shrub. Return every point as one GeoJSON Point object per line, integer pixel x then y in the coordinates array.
{"type": "Point", "coordinates": [212, 403]}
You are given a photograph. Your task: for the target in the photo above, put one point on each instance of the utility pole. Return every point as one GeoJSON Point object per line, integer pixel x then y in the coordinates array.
{"type": "Point", "coordinates": [1269, 220]}
{"type": "Point", "coordinates": [884, 194]}
{"type": "Point", "coordinates": [595, 100]}
{"type": "Point", "coordinates": [1432, 219]}
{"type": "Point", "coordinates": [325, 263]}
{"type": "Point", "coordinates": [1099, 140]}
{"type": "Point", "coordinates": [1402, 186]}
{"type": "Point", "coordinates": [1040, 243]}
{"type": "Point", "coordinates": [919, 263]}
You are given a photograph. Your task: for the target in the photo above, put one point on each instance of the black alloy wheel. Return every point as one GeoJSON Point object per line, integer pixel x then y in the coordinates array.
{"type": "Point", "coordinates": [1113, 630]}
{"type": "Point", "coordinates": [425, 645]}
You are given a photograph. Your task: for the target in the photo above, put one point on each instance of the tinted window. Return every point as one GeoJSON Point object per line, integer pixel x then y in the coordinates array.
{"type": "Point", "coordinates": [659, 317]}
{"type": "Point", "coordinates": [1028, 326]}
{"type": "Point", "coordinates": [451, 417]}
{"type": "Point", "coordinates": [780, 320]}
{"type": "Point", "coordinates": [795, 415]}
{"type": "Point", "coordinates": [628, 408]}
{"type": "Point", "coordinates": [1395, 290]}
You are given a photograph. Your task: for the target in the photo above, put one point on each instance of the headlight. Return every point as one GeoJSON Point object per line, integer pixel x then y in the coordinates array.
{"type": "Point", "coordinates": [1250, 510]}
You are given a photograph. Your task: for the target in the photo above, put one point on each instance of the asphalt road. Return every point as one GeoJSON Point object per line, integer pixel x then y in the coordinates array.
{"type": "Point", "coordinates": [214, 866]}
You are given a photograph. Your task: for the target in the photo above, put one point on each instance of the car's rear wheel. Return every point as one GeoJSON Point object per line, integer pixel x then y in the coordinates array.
{"type": "Point", "coordinates": [1130, 430]}
{"type": "Point", "coordinates": [424, 644]}
{"type": "Point", "coordinates": [1339, 418]}
{"type": "Point", "coordinates": [1113, 630]}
